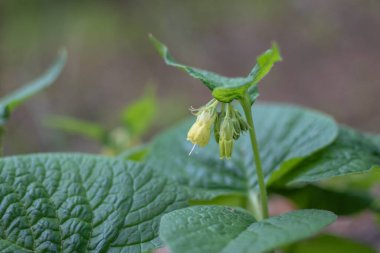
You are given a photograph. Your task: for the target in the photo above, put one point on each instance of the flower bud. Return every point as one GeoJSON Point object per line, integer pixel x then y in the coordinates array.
{"type": "Point", "coordinates": [226, 140]}
{"type": "Point", "coordinates": [237, 130]}
{"type": "Point", "coordinates": [218, 121]}
{"type": "Point", "coordinates": [243, 124]}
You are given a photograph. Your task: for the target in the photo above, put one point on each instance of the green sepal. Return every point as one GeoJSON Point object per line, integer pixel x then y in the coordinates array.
{"type": "Point", "coordinates": [223, 88]}
{"type": "Point", "coordinates": [218, 121]}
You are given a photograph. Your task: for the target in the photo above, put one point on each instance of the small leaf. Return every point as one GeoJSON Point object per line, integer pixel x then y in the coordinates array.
{"type": "Point", "coordinates": [225, 229]}
{"type": "Point", "coordinates": [84, 128]}
{"type": "Point", "coordinates": [352, 153]}
{"type": "Point", "coordinates": [82, 203]}
{"type": "Point", "coordinates": [223, 88]}
{"type": "Point", "coordinates": [137, 153]}
{"type": "Point", "coordinates": [339, 202]}
{"type": "Point", "coordinates": [329, 244]}
{"type": "Point", "coordinates": [138, 116]}
{"type": "Point", "coordinates": [16, 98]}
{"type": "Point", "coordinates": [286, 135]}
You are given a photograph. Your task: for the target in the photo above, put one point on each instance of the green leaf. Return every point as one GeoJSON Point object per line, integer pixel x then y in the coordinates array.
{"type": "Point", "coordinates": [138, 116]}
{"type": "Point", "coordinates": [224, 229]}
{"type": "Point", "coordinates": [286, 135]}
{"type": "Point", "coordinates": [237, 200]}
{"type": "Point", "coordinates": [360, 182]}
{"type": "Point", "coordinates": [84, 128]}
{"type": "Point", "coordinates": [352, 153]}
{"type": "Point", "coordinates": [225, 89]}
{"type": "Point", "coordinates": [329, 244]}
{"type": "Point", "coordinates": [81, 203]}
{"type": "Point", "coordinates": [137, 153]}
{"type": "Point", "coordinates": [253, 93]}
{"type": "Point", "coordinates": [339, 202]}
{"type": "Point", "coordinates": [16, 98]}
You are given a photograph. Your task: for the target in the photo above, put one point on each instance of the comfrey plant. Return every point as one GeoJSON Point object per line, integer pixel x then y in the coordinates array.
{"type": "Point", "coordinates": [205, 202]}
{"type": "Point", "coordinates": [298, 146]}
{"type": "Point", "coordinates": [229, 124]}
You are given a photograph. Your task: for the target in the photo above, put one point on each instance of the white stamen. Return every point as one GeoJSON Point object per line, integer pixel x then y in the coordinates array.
{"type": "Point", "coordinates": [192, 149]}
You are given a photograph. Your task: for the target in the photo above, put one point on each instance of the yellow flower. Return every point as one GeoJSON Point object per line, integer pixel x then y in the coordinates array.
{"type": "Point", "coordinates": [199, 133]}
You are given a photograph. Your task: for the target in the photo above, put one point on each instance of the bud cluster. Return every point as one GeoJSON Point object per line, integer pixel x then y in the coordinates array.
{"type": "Point", "coordinates": [228, 126]}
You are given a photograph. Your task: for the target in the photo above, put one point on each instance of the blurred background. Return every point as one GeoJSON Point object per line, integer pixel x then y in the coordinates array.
{"type": "Point", "coordinates": [330, 48]}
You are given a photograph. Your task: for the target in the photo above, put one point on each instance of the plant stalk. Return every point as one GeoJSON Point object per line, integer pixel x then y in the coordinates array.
{"type": "Point", "coordinates": [254, 205]}
{"type": "Point", "coordinates": [245, 103]}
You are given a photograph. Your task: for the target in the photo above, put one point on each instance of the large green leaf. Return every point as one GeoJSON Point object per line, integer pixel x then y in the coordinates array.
{"type": "Point", "coordinates": [81, 203]}
{"type": "Point", "coordinates": [223, 88]}
{"type": "Point", "coordinates": [224, 229]}
{"type": "Point", "coordinates": [286, 135]}
{"type": "Point", "coordinates": [352, 153]}
{"type": "Point", "coordinates": [329, 244]}
{"type": "Point", "coordinates": [11, 101]}
{"type": "Point", "coordinates": [337, 201]}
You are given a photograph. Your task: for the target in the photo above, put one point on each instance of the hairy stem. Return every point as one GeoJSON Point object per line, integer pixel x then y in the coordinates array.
{"type": "Point", "coordinates": [255, 149]}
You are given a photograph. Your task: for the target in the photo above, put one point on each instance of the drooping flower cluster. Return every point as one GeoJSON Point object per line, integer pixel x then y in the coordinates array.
{"type": "Point", "coordinates": [228, 125]}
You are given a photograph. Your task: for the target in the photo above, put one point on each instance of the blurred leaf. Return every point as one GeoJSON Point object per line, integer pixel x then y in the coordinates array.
{"type": "Point", "coordinates": [136, 154]}
{"type": "Point", "coordinates": [16, 98]}
{"type": "Point", "coordinates": [119, 139]}
{"type": "Point", "coordinates": [361, 182]}
{"type": "Point", "coordinates": [338, 202]}
{"type": "Point", "coordinates": [286, 135]}
{"type": "Point", "coordinates": [237, 200]}
{"type": "Point", "coordinates": [351, 153]}
{"type": "Point", "coordinates": [1, 140]}
{"type": "Point", "coordinates": [326, 243]}
{"type": "Point", "coordinates": [218, 229]}
{"type": "Point", "coordinates": [223, 88]}
{"type": "Point", "coordinates": [138, 116]}
{"type": "Point", "coordinates": [84, 128]}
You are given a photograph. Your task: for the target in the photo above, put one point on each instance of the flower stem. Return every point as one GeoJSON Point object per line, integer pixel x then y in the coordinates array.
{"type": "Point", "coordinates": [253, 205]}
{"type": "Point", "coordinates": [245, 103]}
